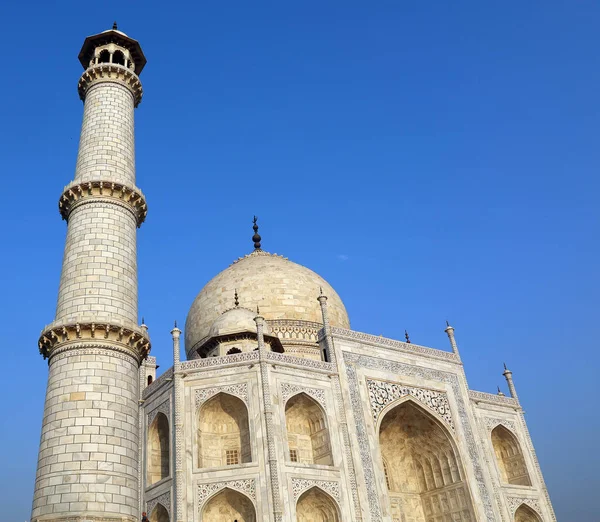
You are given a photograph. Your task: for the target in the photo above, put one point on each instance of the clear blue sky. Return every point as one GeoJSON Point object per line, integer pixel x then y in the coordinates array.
{"type": "Point", "coordinates": [432, 160]}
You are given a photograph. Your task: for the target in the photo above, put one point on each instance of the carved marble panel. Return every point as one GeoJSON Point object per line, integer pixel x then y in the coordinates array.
{"type": "Point", "coordinates": [492, 422]}
{"type": "Point", "coordinates": [288, 390]}
{"type": "Point", "coordinates": [382, 393]}
{"type": "Point", "coordinates": [515, 502]}
{"type": "Point", "coordinates": [300, 485]}
{"type": "Point", "coordinates": [238, 390]}
{"type": "Point", "coordinates": [206, 490]}
{"type": "Point", "coordinates": [164, 500]}
{"type": "Point", "coordinates": [164, 407]}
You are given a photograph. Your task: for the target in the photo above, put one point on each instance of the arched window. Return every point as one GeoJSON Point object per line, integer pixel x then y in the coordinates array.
{"type": "Point", "coordinates": [229, 505]}
{"type": "Point", "coordinates": [509, 456]}
{"type": "Point", "coordinates": [104, 56]}
{"type": "Point", "coordinates": [307, 433]}
{"type": "Point", "coordinates": [118, 57]}
{"type": "Point", "coordinates": [526, 514]}
{"type": "Point", "coordinates": [231, 351]}
{"type": "Point", "coordinates": [424, 474]}
{"type": "Point", "coordinates": [158, 449]}
{"type": "Point", "coordinates": [316, 506]}
{"type": "Point", "coordinates": [159, 514]}
{"type": "Point", "coordinates": [223, 432]}
{"type": "Point", "coordinates": [149, 380]}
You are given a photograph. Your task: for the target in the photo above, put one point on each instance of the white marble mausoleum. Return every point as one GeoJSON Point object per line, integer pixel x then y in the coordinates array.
{"type": "Point", "coordinates": [280, 412]}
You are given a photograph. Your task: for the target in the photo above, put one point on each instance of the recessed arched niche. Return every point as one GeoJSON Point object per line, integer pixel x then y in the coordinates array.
{"type": "Point", "coordinates": [314, 505]}
{"type": "Point", "coordinates": [229, 505]}
{"type": "Point", "coordinates": [525, 514]}
{"type": "Point", "coordinates": [422, 468]}
{"type": "Point", "coordinates": [223, 432]}
{"type": "Point", "coordinates": [159, 514]}
{"type": "Point", "coordinates": [307, 431]}
{"type": "Point", "coordinates": [158, 449]}
{"type": "Point", "coordinates": [509, 457]}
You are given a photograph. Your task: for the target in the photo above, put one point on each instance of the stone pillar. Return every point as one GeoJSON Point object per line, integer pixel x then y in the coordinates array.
{"type": "Point", "coordinates": [178, 432]}
{"type": "Point", "coordinates": [88, 458]}
{"type": "Point", "coordinates": [511, 385]}
{"type": "Point", "coordinates": [268, 408]}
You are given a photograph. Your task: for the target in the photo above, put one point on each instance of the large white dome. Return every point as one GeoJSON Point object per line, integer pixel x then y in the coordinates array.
{"type": "Point", "coordinates": [282, 289]}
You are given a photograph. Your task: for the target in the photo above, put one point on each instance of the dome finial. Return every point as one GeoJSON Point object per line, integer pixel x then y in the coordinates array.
{"type": "Point", "coordinates": [236, 301]}
{"type": "Point", "coordinates": [256, 237]}
{"type": "Point", "coordinates": [407, 337]}
{"type": "Point", "coordinates": [114, 26]}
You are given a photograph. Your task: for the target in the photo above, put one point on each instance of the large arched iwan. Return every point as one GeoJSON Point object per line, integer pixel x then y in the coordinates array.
{"type": "Point", "coordinates": [158, 449]}
{"type": "Point", "coordinates": [159, 514]}
{"type": "Point", "coordinates": [223, 432]}
{"type": "Point", "coordinates": [307, 431]}
{"type": "Point", "coordinates": [525, 514]}
{"type": "Point", "coordinates": [509, 457]}
{"type": "Point", "coordinates": [228, 505]}
{"type": "Point", "coordinates": [314, 505]}
{"type": "Point", "coordinates": [425, 477]}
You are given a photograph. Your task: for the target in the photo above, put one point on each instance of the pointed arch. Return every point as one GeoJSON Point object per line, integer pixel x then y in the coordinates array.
{"type": "Point", "coordinates": [425, 474]}
{"type": "Point", "coordinates": [228, 504]}
{"type": "Point", "coordinates": [158, 449]}
{"type": "Point", "coordinates": [104, 56]}
{"type": "Point", "coordinates": [223, 432]}
{"type": "Point", "coordinates": [314, 505]}
{"type": "Point", "coordinates": [159, 514]}
{"type": "Point", "coordinates": [526, 514]}
{"type": "Point", "coordinates": [118, 57]}
{"type": "Point", "coordinates": [307, 431]}
{"type": "Point", "coordinates": [510, 459]}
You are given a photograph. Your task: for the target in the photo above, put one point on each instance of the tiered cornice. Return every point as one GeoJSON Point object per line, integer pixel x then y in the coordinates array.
{"type": "Point", "coordinates": [111, 72]}
{"type": "Point", "coordinates": [77, 194]}
{"type": "Point", "coordinates": [129, 340]}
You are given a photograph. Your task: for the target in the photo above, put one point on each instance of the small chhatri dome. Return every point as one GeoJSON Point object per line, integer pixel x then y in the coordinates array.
{"type": "Point", "coordinates": [284, 290]}
{"type": "Point", "coordinates": [235, 320]}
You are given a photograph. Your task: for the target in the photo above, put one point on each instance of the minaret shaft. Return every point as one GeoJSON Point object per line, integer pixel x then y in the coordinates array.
{"type": "Point", "coordinates": [106, 144]}
{"type": "Point", "coordinates": [88, 459]}
{"type": "Point", "coordinates": [99, 273]}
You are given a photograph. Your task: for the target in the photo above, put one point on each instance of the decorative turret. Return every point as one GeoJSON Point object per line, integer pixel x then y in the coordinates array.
{"type": "Point", "coordinates": [450, 332]}
{"type": "Point", "coordinates": [509, 380]}
{"type": "Point", "coordinates": [95, 345]}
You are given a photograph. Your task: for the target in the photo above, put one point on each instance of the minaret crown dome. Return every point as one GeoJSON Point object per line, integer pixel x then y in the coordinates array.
{"type": "Point", "coordinates": [115, 47]}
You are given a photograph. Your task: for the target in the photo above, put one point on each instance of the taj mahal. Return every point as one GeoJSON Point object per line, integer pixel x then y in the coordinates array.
{"type": "Point", "coordinates": [279, 412]}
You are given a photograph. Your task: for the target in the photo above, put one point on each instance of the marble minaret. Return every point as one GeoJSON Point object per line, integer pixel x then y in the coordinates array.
{"type": "Point", "coordinates": [88, 459]}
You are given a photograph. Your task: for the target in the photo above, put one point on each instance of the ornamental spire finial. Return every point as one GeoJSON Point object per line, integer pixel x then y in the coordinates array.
{"type": "Point", "coordinates": [256, 237]}
{"type": "Point", "coordinates": [407, 337]}
{"type": "Point", "coordinates": [114, 26]}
